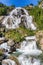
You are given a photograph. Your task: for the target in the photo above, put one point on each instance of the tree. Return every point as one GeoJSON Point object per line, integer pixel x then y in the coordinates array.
{"type": "Point", "coordinates": [31, 4]}
{"type": "Point", "coordinates": [13, 6]}
{"type": "Point", "coordinates": [2, 5]}
{"type": "Point", "coordinates": [3, 11]}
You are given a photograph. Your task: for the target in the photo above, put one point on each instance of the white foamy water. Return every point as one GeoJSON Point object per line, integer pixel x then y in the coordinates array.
{"type": "Point", "coordinates": [28, 60]}
{"type": "Point", "coordinates": [29, 49]}
{"type": "Point", "coordinates": [5, 46]}
{"type": "Point", "coordinates": [13, 20]}
{"type": "Point", "coordinates": [8, 62]}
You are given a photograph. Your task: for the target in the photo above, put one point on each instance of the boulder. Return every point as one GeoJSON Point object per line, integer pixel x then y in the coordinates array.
{"type": "Point", "coordinates": [41, 43]}
{"type": "Point", "coordinates": [10, 42]}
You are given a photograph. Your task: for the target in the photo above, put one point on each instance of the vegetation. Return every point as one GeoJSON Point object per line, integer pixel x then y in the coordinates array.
{"type": "Point", "coordinates": [12, 34]}
{"type": "Point", "coordinates": [21, 32]}
{"type": "Point", "coordinates": [18, 34]}
{"type": "Point", "coordinates": [4, 10]}
{"type": "Point", "coordinates": [2, 5]}
{"type": "Point", "coordinates": [37, 13]}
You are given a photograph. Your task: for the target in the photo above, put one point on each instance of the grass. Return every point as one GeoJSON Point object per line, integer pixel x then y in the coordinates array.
{"type": "Point", "coordinates": [19, 34]}
{"type": "Point", "coordinates": [37, 13]}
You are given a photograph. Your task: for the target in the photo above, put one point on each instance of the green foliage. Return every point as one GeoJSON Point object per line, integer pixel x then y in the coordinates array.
{"type": "Point", "coordinates": [38, 16]}
{"type": "Point", "coordinates": [18, 34]}
{"type": "Point", "coordinates": [31, 4]}
{"type": "Point", "coordinates": [3, 11]}
{"type": "Point", "coordinates": [13, 34]}
{"type": "Point", "coordinates": [2, 5]}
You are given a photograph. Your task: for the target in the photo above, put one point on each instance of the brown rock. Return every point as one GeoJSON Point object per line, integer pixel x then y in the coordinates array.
{"type": "Point", "coordinates": [15, 59]}
{"type": "Point", "coordinates": [10, 42]}
{"type": "Point", "coordinates": [1, 18]}
{"type": "Point", "coordinates": [41, 43]}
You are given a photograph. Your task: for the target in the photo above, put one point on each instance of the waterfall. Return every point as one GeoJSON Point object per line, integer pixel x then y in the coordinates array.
{"type": "Point", "coordinates": [13, 20]}
{"type": "Point", "coordinates": [28, 60]}
{"type": "Point", "coordinates": [28, 47]}
{"type": "Point", "coordinates": [8, 62]}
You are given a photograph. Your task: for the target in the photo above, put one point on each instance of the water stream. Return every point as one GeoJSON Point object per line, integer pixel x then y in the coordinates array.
{"type": "Point", "coordinates": [28, 47]}
{"type": "Point", "coordinates": [13, 20]}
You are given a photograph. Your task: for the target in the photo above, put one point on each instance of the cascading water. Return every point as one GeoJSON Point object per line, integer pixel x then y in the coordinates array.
{"type": "Point", "coordinates": [8, 62]}
{"type": "Point", "coordinates": [28, 47]}
{"type": "Point", "coordinates": [28, 60]}
{"type": "Point", "coordinates": [19, 10]}
{"type": "Point", "coordinates": [29, 52]}
{"type": "Point", "coordinates": [15, 19]}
